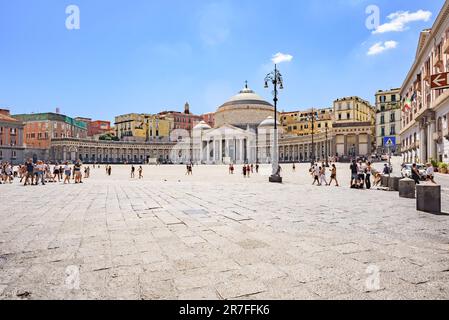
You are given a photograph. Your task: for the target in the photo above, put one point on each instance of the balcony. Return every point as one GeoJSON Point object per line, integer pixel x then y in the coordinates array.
{"type": "Point", "coordinates": [446, 46]}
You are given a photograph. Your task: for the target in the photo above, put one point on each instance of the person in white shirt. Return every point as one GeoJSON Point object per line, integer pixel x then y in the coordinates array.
{"type": "Point", "coordinates": [430, 173]}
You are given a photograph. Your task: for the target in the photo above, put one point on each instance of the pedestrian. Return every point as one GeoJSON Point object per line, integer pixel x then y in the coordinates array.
{"type": "Point", "coordinates": [323, 176]}
{"type": "Point", "coordinates": [140, 172]}
{"type": "Point", "coordinates": [430, 173]}
{"type": "Point", "coordinates": [56, 173]}
{"type": "Point", "coordinates": [316, 174]}
{"type": "Point", "coordinates": [132, 171]}
{"type": "Point", "coordinates": [248, 170]}
{"type": "Point", "coordinates": [294, 167]}
{"type": "Point", "coordinates": [109, 170]}
{"type": "Point", "coordinates": [77, 172]}
{"type": "Point", "coordinates": [360, 175]}
{"type": "Point", "coordinates": [334, 175]}
{"type": "Point", "coordinates": [230, 168]}
{"type": "Point", "coordinates": [67, 173]}
{"type": "Point", "coordinates": [368, 173]}
{"type": "Point", "coordinates": [252, 168]}
{"type": "Point", "coordinates": [244, 171]}
{"type": "Point", "coordinates": [257, 168]}
{"type": "Point", "coordinates": [416, 176]}
{"type": "Point", "coordinates": [354, 171]}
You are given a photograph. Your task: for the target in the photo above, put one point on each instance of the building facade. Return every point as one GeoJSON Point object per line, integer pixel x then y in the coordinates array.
{"type": "Point", "coordinates": [93, 151]}
{"type": "Point", "coordinates": [11, 138]}
{"type": "Point", "coordinates": [136, 127]}
{"type": "Point", "coordinates": [41, 128]}
{"type": "Point", "coordinates": [353, 128]}
{"type": "Point", "coordinates": [388, 120]}
{"type": "Point", "coordinates": [97, 127]}
{"type": "Point", "coordinates": [181, 120]}
{"type": "Point", "coordinates": [425, 112]}
{"type": "Point", "coordinates": [303, 123]}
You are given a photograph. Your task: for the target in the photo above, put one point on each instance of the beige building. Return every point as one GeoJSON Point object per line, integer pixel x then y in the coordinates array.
{"type": "Point", "coordinates": [425, 125]}
{"type": "Point", "coordinates": [300, 123]}
{"type": "Point", "coordinates": [388, 120]}
{"type": "Point", "coordinates": [138, 127]}
{"type": "Point", "coordinates": [353, 128]}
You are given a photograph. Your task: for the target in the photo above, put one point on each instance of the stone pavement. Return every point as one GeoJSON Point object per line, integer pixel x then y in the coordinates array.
{"type": "Point", "coordinates": [215, 236]}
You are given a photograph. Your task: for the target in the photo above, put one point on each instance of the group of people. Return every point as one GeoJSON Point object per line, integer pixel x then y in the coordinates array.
{"type": "Point", "coordinates": [318, 172]}
{"type": "Point", "coordinates": [133, 172]}
{"type": "Point", "coordinates": [361, 173]}
{"type": "Point", "coordinates": [41, 172]}
{"type": "Point", "coordinates": [7, 173]}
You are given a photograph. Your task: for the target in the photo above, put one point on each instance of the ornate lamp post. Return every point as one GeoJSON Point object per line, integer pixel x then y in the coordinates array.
{"type": "Point", "coordinates": [275, 78]}
{"type": "Point", "coordinates": [327, 152]}
{"type": "Point", "coordinates": [312, 117]}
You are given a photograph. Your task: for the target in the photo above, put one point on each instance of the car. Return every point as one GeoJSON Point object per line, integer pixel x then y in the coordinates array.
{"type": "Point", "coordinates": [407, 170]}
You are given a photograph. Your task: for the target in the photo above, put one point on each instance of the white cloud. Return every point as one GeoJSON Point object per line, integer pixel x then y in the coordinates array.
{"type": "Point", "coordinates": [281, 57]}
{"type": "Point", "coordinates": [400, 19]}
{"type": "Point", "coordinates": [380, 47]}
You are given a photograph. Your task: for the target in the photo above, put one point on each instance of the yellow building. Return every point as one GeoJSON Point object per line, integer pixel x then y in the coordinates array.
{"type": "Point", "coordinates": [299, 123]}
{"type": "Point", "coordinates": [142, 127]}
{"type": "Point", "coordinates": [353, 127]}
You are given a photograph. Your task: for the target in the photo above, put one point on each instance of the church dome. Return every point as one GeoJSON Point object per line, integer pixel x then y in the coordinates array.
{"type": "Point", "coordinates": [245, 108]}
{"type": "Point", "coordinates": [202, 126]}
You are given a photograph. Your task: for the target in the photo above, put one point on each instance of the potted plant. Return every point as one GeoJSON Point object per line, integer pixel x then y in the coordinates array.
{"type": "Point", "coordinates": [435, 165]}
{"type": "Point", "coordinates": [443, 168]}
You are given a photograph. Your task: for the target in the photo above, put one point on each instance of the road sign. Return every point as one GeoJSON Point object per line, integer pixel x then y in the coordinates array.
{"type": "Point", "coordinates": [390, 141]}
{"type": "Point", "coordinates": [439, 81]}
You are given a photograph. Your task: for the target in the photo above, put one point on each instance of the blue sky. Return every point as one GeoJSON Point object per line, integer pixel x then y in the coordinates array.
{"type": "Point", "coordinates": [148, 55]}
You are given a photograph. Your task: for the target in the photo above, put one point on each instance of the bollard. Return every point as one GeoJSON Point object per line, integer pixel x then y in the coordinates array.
{"type": "Point", "coordinates": [385, 181]}
{"type": "Point", "coordinates": [428, 198]}
{"type": "Point", "coordinates": [407, 188]}
{"type": "Point", "coordinates": [393, 183]}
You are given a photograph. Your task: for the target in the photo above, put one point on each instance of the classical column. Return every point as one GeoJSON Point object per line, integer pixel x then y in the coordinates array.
{"type": "Point", "coordinates": [422, 144]}
{"type": "Point", "coordinates": [241, 155]}
{"type": "Point", "coordinates": [432, 145]}
{"type": "Point", "coordinates": [207, 151]}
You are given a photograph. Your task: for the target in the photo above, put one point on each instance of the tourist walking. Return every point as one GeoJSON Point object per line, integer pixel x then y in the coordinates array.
{"type": "Point", "coordinates": [109, 170]}
{"type": "Point", "coordinates": [132, 171]}
{"type": "Point", "coordinates": [316, 174]}
{"type": "Point", "coordinates": [67, 173]}
{"type": "Point", "coordinates": [244, 171]}
{"type": "Point", "coordinates": [334, 175]}
{"type": "Point", "coordinates": [140, 172]}
{"type": "Point", "coordinates": [323, 176]}
{"type": "Point", "coordinates": [248, 170]}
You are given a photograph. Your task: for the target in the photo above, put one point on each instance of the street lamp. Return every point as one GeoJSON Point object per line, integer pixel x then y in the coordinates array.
{"type": "Point", "coordinates": [327, 152]}
{"type": "Point", "coordinates": [313, 117]}
{"type": "Point", "coordinates": [275, 78]}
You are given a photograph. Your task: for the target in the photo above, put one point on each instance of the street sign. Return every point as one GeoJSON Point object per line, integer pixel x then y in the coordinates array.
{"type": "Point", "coordinates": [439, 81]}
{"type": "Point", "coordinates": [390, 141]}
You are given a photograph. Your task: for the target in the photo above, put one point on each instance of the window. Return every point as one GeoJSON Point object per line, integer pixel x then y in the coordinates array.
{"type": "Point", "coordinates": [382, 119]}
{"type": "Point", "coordinates": [348, 116]}
{"type": "Point", "coordinates": [392, 117]}
{"type": "Point", "coordinates": [393, 130]}
{"type": "Point", "coordinates": [382, 131]}
{"type": "Point", "coordinates": [393, 98]}
{"type": "Point", "coordinates": [339, 116]}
